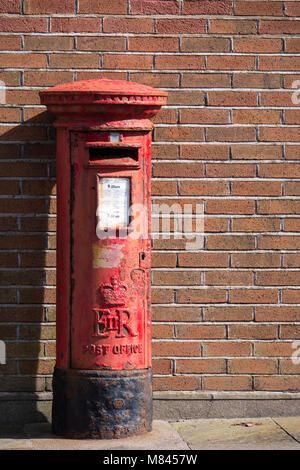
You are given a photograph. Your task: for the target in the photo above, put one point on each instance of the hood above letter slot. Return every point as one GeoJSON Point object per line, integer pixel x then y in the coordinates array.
{"type": "Point", "coordinates": [118, 154]}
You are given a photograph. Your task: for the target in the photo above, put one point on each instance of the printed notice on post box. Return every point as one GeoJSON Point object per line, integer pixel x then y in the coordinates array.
{"type": "Point", "coordinates": [113, 203]}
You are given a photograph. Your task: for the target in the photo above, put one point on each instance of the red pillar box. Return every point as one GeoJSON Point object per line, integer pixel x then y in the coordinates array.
{"type": "Point", "coordinates": [102, 379]}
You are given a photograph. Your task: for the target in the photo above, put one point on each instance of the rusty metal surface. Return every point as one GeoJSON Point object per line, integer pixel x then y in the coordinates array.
{"type": "Point", "coordinates": [104, 405]}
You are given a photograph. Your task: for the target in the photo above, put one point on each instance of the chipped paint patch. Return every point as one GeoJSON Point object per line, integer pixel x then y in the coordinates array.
{"type": "Point", "coordinates": [107, 257]}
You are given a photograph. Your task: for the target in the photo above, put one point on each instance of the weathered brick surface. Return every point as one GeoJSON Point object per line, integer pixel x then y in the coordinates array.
{"type": "Point", "coordinates": [225, 315]}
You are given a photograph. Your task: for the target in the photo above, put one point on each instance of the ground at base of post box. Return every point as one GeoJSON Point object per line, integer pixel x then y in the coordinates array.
{"type": "Point", "coordinates": [268, 433]}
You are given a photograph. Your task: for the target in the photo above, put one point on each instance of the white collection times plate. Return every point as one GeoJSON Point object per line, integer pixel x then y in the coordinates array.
{"type": "Point", "coordinates": [113, 203]}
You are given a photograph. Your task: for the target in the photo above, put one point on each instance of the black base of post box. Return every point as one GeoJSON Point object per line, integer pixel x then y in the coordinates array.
{"type": "Point", "coordinates": [101, 404]}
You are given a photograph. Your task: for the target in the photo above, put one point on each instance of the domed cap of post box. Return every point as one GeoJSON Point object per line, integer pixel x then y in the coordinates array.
{"type": "Point", "coordinates": [108, 99]}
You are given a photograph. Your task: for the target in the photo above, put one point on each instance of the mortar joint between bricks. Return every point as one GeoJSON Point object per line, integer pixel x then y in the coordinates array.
{"type": "Point", "coordinates": [180, 80]}
{"type": "Point", "coordinates": [257, 26]}
{"type": "Point", "coordinates": [281, 260]}
{"type": "Point", "coordinates": [22, 81]}
{"type": "Point", "coordinates": [258, 98]}
{"type": "Point", "coordinates": [180, 6]}
{"type": "Point", "coordinates": [226, 332]}
{"type": "Point", "coordinates": [19, 259]}
{"type": "Point", "coordinates": [201, 314]}
{"type": "Point", "coordinates": [45, 314]}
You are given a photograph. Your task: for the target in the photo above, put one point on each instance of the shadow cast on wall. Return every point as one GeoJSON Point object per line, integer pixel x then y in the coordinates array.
{"type": "Point", "coordinates": [27, 268]}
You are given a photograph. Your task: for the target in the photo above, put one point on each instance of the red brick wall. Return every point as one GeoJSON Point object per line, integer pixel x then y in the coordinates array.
{"type": "Point", "coordinates": [224, 317]}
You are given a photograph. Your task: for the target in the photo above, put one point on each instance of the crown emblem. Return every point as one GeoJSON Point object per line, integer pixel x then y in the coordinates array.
{"type": "Point", "coordinates": [113, 293]}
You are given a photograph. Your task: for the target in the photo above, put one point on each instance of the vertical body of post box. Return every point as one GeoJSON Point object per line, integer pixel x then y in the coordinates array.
{"type": "Point", "coordinates": [102, 379]}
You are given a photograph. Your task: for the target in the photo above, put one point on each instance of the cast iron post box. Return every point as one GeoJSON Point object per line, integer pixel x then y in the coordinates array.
{"type": "Point", "coordinates": [102, 379]}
